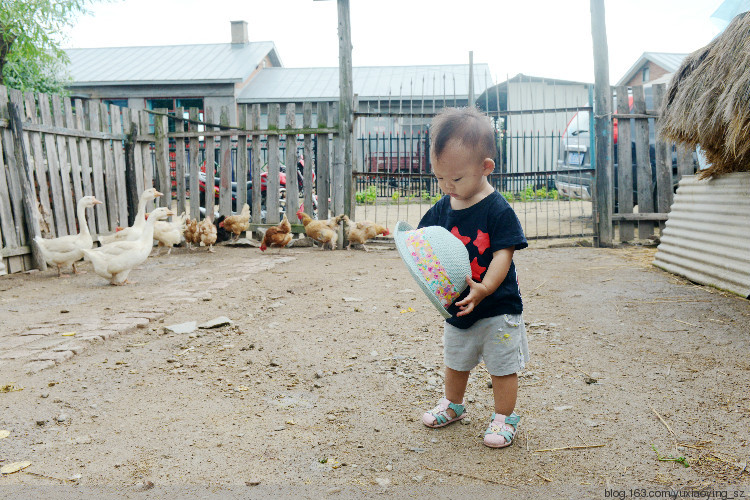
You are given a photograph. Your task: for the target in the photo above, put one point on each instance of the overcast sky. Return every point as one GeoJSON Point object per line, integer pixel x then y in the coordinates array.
{"type": "Point", "coordinates": [545, 38]}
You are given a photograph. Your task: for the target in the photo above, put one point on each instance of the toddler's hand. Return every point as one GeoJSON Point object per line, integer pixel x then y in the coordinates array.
{"type": "Point", "coordinates": [477, 293]}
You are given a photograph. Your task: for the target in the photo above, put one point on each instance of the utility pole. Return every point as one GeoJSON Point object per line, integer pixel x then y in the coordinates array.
{"type": "Point", "coordinates": [346, 100]}
{"type": "Point", "coordinates": [602, 128]}
{"type": "Point", "coordinates": [343, 163]}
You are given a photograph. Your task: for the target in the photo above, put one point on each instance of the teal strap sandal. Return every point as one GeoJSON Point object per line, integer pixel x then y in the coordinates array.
{"type": "Point", "coordinates": [501, 430]}
{"type": "Point", "coordinates": [440, 417]}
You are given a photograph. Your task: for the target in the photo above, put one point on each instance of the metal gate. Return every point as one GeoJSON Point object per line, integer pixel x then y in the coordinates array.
{"type": "Point", "coordinates": [533, 170]}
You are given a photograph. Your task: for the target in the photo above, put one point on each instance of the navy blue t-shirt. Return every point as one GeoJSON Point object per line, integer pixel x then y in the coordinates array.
{"type": "Point", "coordinates": [484, 228]}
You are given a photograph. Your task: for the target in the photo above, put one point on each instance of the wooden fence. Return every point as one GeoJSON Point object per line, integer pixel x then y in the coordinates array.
{"type": "Point", "coordinates": [58, 150]}
{"type": "Point", "coordinates": [657, 163]}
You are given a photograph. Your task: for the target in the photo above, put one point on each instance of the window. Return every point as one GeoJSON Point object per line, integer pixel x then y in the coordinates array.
{"type": "Point", "coordinates": [171, 105]}
{"type": "Point", "coordinates": [123, 103]}
{"type": "Point", "coordinates": [645, 75]}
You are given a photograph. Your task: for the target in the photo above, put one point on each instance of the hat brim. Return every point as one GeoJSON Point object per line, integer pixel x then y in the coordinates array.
{"type": "Point", "coordinates": [399, 236]}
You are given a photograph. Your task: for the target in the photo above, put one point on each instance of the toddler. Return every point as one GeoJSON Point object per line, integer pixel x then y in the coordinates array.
{"type": "Point", "coordinates": [486, 321]}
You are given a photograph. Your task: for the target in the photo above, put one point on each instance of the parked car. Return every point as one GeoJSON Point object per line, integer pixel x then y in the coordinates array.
{"type": "Point", "coordinates": [575, 158]}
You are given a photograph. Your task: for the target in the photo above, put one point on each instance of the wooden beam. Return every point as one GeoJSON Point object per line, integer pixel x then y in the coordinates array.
{"type": "Point", "coordinates": [625, 169]}
{"type": "Point", "coordinates": [602, 125]}
{"type": "Point", "coordinates": [25, 176]}
{"type": "Point", "coordinates": [640, 217]}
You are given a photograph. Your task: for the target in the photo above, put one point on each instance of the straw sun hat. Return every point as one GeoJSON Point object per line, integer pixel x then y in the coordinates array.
{"type": "Point", "coordinates": [437, 260]}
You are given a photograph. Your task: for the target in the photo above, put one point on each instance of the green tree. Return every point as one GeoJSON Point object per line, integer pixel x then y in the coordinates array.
{"type": "Point", "coordinates": [30, 35]}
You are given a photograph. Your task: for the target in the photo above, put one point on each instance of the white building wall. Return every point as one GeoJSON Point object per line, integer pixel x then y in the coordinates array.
{"type": "Point", "coordinates": [539, 150]}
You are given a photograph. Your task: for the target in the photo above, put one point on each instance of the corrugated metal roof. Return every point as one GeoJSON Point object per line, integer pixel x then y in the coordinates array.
{"type": "Point", "coordinates": [707, 235]}
{"type": "Point", "coordinates": [667, 60]}
{"type": "Point", "coordinates": [219, 62]}
{"type": "Point", "coordinates": [370, 83]}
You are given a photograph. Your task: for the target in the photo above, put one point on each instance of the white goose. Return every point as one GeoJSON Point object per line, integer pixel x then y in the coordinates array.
{"type": "Point", "coordinates": [133, 232]}
{"type": "Point", "coordinates": [66, 250]}
{"type": "Point", "coordinates": [115, 260]}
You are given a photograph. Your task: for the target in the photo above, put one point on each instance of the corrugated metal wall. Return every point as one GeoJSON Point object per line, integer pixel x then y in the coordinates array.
{"type": "Point", "coordinates": [707, 236]}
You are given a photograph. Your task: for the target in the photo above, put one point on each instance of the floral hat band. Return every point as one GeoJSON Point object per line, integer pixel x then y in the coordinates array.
{"type": "Point", "coordinates": [437, 260]}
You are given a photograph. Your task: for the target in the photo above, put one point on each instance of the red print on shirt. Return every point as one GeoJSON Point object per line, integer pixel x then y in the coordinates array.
{"type": "Point", "coordinates": [482, 242]}
{"type": "Point", "coordinates": [464, 239]}
{"type": "Point", "coordinates": [476, 270]}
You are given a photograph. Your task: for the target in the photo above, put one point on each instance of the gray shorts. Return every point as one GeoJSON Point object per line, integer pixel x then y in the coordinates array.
{"type": "Point", "coordinates": [499, 340]}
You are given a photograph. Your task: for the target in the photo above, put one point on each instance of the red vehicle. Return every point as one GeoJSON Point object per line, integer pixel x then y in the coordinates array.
{"type": "Point", "coordinates": [249, 185]}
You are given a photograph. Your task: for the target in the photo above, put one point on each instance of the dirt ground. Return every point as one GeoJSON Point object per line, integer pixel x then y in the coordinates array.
{"type": "Point", "coordinates": [317, 387]}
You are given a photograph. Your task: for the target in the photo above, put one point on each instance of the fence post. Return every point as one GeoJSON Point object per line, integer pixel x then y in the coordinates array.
{"type": "Point", "coordinates": [273, 181]}
{"type": "Point", "coordinates": [255, 165]}
{"type": "Point", "coordinates": [241, 166]}
{"type": "Point", "coordinates": [322, 163]}
{"type": "Point", "coordinates": [24, 176]}
{"type": "Point", "coordinates": [161, 145]}
{"type": "Point", "coordinates": [132, 193]}
{"type": "Point", "coordinates": [625, 169]}
{"type": "Point", "coordinates": [292, 191]}
{"type": "Point", "coordinates": [664, 194]}
{"type": "Point", "coordinates": [602, 127]}
{"type": "Point", "coordinates": [195, 197]}
{"type": "Point", "coordinates": [346, 94]}
{"type": "Point", "coordinates": [309, 160]}
{"type": "Point", "coordinates": [225, 167]}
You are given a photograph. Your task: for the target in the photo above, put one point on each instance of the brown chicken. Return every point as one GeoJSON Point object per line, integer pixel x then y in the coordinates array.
{"type": "Point", "coordinates": [360, 232]}
{"type": "Point", "coordinates": [237, 224]}
{"type": "Point", "coordinates": [322, 231]}
{"type": "Point", "coordinates": [192, 236]}
{"type": "Point", "coordinates": [207, 232]}
{"type": "Point", "coordinates": [277, 236]}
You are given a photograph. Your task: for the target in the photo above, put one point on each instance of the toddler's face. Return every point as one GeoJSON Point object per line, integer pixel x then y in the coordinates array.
{"type": "Point", "coordinates": [459, 174]}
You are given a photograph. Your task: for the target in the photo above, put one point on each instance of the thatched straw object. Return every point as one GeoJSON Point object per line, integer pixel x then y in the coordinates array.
{"type": "Point", "coordinates": [708, 101]}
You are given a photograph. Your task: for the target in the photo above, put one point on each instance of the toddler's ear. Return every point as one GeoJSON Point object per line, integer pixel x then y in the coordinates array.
{"type": "Point", "coordinates": [488, 166]}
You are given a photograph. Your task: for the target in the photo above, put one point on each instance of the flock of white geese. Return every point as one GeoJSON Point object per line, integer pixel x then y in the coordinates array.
{"type": "Point", "coordinates": [121, 251]}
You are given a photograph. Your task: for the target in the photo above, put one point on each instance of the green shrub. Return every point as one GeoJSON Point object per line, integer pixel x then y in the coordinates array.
{"type": "Point", "coordinates": [508, 196]}
{"type": "Point", "coordinates": [367, 196]}
{"type": "Point", "coordinates": [527, 193]}
{"type": "Point", "coordinates": [395, 196]}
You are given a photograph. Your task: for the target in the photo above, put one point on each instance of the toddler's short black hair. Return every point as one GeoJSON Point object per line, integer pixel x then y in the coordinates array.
{"type": "Point", "coordinates": [468, 126]}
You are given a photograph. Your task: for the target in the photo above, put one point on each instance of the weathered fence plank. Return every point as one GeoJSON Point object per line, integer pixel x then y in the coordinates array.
{"type": "Point", "coordinates": [255, 166]}
{"type": "Point", "coordinates": [210, 148]}
{"type": "Point", "coordinates": [133, 166]}
{"type": "Point", "coordinates": [194, 187]}
{"type": "Point", "coordinates": [130, 128]}
{"type": "Point", "coordinates": [179, 163]}
{"type": "Point", "coordinates": [643, 163]}
{"type": "Point", "coordinates": [225, 164]}
{"type": "Point", "coordinates": [242, 163]}
{"type": "Point", "coordinates": [118, 154]}
{"type": "Point", "coordinates": [53, 167]}
{"type": "Point", "coordinates": [24, 176]}
{"type": "Point", "coordinates": [272, 179]}
{"type": "Point", "coordinates": [685, 164]}
{"type": "Point", "coordinates": [292, 189]}
{"type": "Point", "coordinates": [7, 224]}
{"type": "Point", "coordinates": [79, 123]}
{"type": "Point", "coordinates": [97, 171]}
{"type": "Point", "coordinates": [148, 161]}
{"type": "Point", "coordinates": [625, 166]}
{"type": "Point", "coordinates": [161, 145]}
{"type": "Point", "coordinates": [664, 194]}
{"type": "Point", "coordinates": [110, 175]}
{"type": "Point", "coordinates": [323, 163]}
{"type": "Point", "coordinates": [40, 170]}
{"type": "Point", "coordinates": [309, 160]}
{"type": "Point", "coordinates": [64, 163]}
{"type": "Point", "coordinates": [75, 162]}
